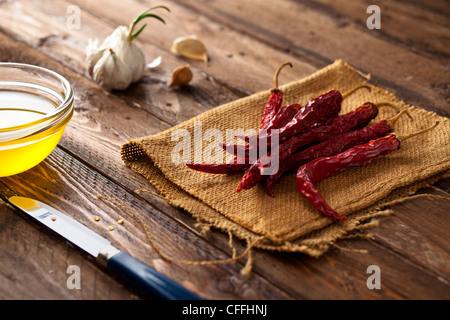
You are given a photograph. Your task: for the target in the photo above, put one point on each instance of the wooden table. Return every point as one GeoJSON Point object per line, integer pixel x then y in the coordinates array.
{"type": "Point", "coordinates": [246, 41]}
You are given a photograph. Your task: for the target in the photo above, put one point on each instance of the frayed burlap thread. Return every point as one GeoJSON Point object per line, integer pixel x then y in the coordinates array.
{"type": "Point", "coordinates": [288, 222]}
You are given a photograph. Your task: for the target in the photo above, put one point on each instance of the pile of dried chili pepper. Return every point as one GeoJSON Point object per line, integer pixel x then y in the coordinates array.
{"type": "Point", "coordinates": [313, 140]}
{"type": "Point", "coordinates": [324, 167]}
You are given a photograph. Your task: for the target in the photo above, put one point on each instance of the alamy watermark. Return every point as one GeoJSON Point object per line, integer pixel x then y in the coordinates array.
{"type": "Point", "coordinates": [374, 20]}
{"type": "Point", "coordinates": [73, 20]}
{"type": "Point", "coordinates": [74, 280]}
{"type": "Point", "coordinates": [374, 280]}
{"type": "Point", "coordinates": [207, 146]}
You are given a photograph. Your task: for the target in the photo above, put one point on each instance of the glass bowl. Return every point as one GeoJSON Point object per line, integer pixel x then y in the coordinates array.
{"type": "Point", "coordinates": [35, 106]}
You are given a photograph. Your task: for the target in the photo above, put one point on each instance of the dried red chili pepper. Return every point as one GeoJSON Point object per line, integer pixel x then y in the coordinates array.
{"type": "Point", "coordinates": [328, 148]}
{"type": "Point", "coordinates": [305, 116]}
{"type": "Point", "coordinates": [352, 120]}
{"type": "Point", "coordinates": [358, 117]}
{"type": "Point", "coordinates": [314, 113]}
{"type": "Point", "coordinates": [269, 120]}
{"type": "Point", "coordinates": [339, 97]}
{"type": "Point", "coordinates": [274, 116]}
{"type": "Point", "coordinates": [283, 116]}
{"type": "Point", "coordinates": [275, 100]}
{"type": "Point", "coordinates": [317, 111]}
{"type": "Point", "coordinates": [244, 152]}
{"type": "Point", "coordinates": [272, 107]}
{"type": "Point", "coordinates": [333, 145]}
{"type": "Point", "coordinates": [219, 168]}
{"type": "Point", "coordinates": [321, 168]}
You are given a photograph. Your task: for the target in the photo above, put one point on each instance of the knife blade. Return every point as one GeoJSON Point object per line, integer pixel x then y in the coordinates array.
{"type": "Point", "coordinates": [125, 267]}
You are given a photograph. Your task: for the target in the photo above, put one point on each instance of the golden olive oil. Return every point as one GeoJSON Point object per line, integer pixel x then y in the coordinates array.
{"type": "Point", "coordinates": [17, 109]}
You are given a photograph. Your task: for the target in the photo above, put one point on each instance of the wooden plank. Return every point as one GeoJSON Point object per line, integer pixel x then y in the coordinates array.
{"type": "Point", "coordinates": [306, 32]}
{"type": "Point", "coordinates": [444, 185]}
{"type": "Point", "coordinates": [419, 230]}
{"type": "Point", "coordinates": [342, 274]}
{"type": "Point", "coordinates": [427, 30]}
{"type": "Point", "coordinates": [75, 195]}
{"type": "Point", "coordinates": [68, 46]}
{"type": "Point", "coordinates": [72, 188]}
{"type": "Point", "coordinates": [34, 265]}
{"type": "Point", "coordinates": [436, 6]}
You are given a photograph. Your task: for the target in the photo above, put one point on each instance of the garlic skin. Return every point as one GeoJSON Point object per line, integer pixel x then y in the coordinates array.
{"type": "Point", "coordinates": [134, 58]}
{"type": "Point", "coordinates": [155, 63]}
{"type": "Point", "coordinates": [111, 73]}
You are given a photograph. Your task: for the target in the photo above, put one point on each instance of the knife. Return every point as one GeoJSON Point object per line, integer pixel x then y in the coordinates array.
{"type": "Point", "coordinates": [125, 267]}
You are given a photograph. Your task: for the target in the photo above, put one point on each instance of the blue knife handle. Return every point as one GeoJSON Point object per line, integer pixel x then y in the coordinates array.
{"type": "Point", "coordinates": [147, 280]}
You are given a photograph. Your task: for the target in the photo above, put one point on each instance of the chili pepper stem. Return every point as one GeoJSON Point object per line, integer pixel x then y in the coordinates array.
{"type": "Point", "coordinates": [388, 104]}
{"type": "Point", "coordinates": [346, 94]}
{"type": "Point", "coordinates": [391, 122]}
{"type": "Point", "coordinates": [275, 77]}
{"type": "Point", "coordinates": [403, 138]}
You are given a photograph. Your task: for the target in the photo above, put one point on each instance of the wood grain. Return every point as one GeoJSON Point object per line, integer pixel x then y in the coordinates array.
{"type": "Point", "coordinates": [309, 31]}
{"type": "Point", "coordinates": [63, 180]}
{"type": "Point", "coordinates": [34, 265]}
{"type": "Point", "coordinates": [427, 29]}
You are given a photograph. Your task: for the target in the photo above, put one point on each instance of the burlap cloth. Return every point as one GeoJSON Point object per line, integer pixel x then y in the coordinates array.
{"type": "Point", "coordinates": [288, 222]}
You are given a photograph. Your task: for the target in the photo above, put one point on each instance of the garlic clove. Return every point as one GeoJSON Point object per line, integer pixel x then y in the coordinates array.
{"type": "Point", "coordinates": [134, 58]}
{"type": "Point", "coordinates": [93, 54]}
{"type": "Point", "coordinates": [181, 76]}
{"type": "Point", "coordinates": [111, 73]}
{"type": "Point", "coordinates": [136, 61]}
{"type": "Point", "coordinates": [128, 52]}
{"type": "Point", "coordinates": [115, 37]}
{"type": "Point", "coordinates": [190, 47]}
{"type": "Point", "coordinates": [94, 51]}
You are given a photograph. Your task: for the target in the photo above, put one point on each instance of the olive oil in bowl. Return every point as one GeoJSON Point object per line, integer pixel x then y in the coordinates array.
{"type": "Point", "coordinates": [35, 106]}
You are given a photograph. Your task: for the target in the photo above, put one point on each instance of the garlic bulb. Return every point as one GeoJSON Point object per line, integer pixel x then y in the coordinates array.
{"type": "Point", "coordinates": [111, 72]}
{"type": "Point", "coordinates": [118, 61]}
